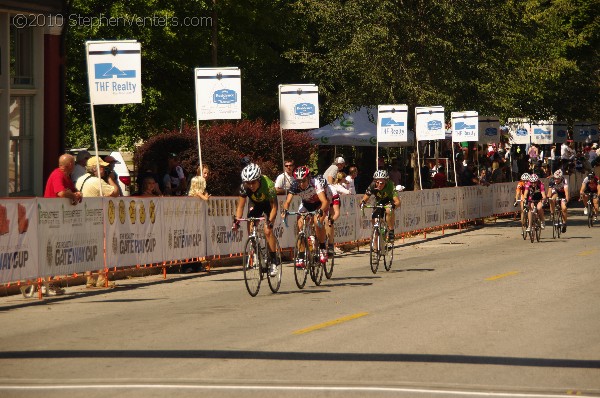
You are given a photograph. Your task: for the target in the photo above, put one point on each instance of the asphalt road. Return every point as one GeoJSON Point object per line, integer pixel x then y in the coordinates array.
{"type": "Point", "coordinates": [476, 312]}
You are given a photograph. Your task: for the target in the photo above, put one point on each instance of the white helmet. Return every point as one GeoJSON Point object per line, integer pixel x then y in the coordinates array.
{"type": "Point", "coordinates": [558, 173]}
{"type": "Point", "coordinates": [533, 178]}
{"type": "Point", "coordinates": [525, 177]}
{"type": "Point", "coordinates": [381, 174]}
{"type": "Point", "coordinates": [251, 172]}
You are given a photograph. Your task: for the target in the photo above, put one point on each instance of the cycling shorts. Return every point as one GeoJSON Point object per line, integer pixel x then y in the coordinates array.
{"type": "Point", "coordinates": [308, 206]}
{"type": "Point", "coordinates": [260, 208]}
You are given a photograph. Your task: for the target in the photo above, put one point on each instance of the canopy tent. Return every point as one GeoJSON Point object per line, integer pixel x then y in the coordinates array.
{"type": "Point", "coordinates": [356, 129]}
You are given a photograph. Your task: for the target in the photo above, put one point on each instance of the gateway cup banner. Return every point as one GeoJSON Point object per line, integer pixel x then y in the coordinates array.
{"type": "Point", "coordinates": [299, 106]}
{"type": "Point", "coordinates": [114, 72]}
{"type": "Point", "coordinates": [218, 93]}
{"type": "Point", "coordinates": [18, 240]}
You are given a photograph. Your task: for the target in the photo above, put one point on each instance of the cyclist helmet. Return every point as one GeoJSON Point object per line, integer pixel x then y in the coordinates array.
{"type": "Point", "coordinates": [381, 174]}
{"type": "Point", "coordinates": [525, 177]}
{"type": "Point", "coordinates": [534, 178]}
{"type": "Point", "coordinates": [591, 174]}
{"type": "Point", "coordinates": [251, 172]}
{"type": "Point", "coordinates": [301, 172]}
{"type": "Point", "coordinates": [558, 173]}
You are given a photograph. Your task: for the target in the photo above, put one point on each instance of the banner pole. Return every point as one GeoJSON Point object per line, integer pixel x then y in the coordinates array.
{"type": "Point", "coordinates": [454, 164]}
{"type": "Point", "coordinates": [94, 133]}
{"type": "Point", "coordinates": [419, 166]}
{"type": "Point", "coordinates": [282, 154]}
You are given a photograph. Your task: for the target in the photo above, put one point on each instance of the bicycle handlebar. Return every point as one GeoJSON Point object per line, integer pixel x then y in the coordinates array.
{"type": "Point", "coordinates": [304, 214]}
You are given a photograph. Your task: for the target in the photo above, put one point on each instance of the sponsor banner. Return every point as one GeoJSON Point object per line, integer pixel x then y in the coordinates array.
{"type": "Point", "coordinates": [221, 239]}
{"type": "Point", "coordinates": [218, 93]}
{"type": "Point", "coordinates": [411, 211]}
{"type": "Point", "coordinates": [432, 210]}
{"type": "Point", "coordinates": [541, 133]}
{"type": "Point", "coordinates": [582, 132]}
{"type": "Point", "coordinates": [114, 72]}
{"type": "Point", "coordinates": [469, 206]}
{"type": "Point", "coordinates": [392, 123]}
{"type": "Point", "coordinates": [518, 130]}
{"type": "Point", "coordinates": [183, 228]}
{"type": "Point", "coordinates": [487, 200]}
{"type": "Point", "coordinates": [594, 133]}
{"type": "Point", "coordinates": [449, 205]}
{"type": "Point", "coordinates": [489, 129]}
{"type": "Point", "coordinates": [559, 132]}
{"type": "Point", "coordinates": [363, 220]}
{"type": "Point", "coordinates": [286, 234]}
{"type": "Point", "coordinates": [18, 240]}
{"type": "Point", "coordinates": [299, 106]}
{"type": "Point", "coordinates": [430, 124]}
{"type": "Point", "coordinates": [503, 197]}
{"type": "Point", "coordinates": [465, 126]}
{"type": "Point", "coordinates": [71, 238]}
{"type": "Point", "coordinates": [345, 225]}
{"type": "Point", "coordinates": [134, 231]}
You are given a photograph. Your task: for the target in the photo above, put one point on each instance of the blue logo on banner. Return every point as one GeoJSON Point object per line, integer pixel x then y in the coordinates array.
{"type": "Point", "coordinates": [540, 132]}
{"type": "Point", "coordinates": [108, 71]}
{"type": "Point", "coordinates": [521, 132]}
{"type": "Point", "coordinates": [434, 125]}
{"type": "Point", "coordinates": [388, 121]}
{"type": "Point", "coordinates": [561, 133]}
{"type": "Point", "coordinates": [304, 109]}
{"type": "Point", "coordinates": [464, 126]}
{"type": "Point", "coordinates": [593, 132]}
{"type": "Point", "coordinates": [225, 96]}
{"type": "Point", "coordinates": [491, 131]}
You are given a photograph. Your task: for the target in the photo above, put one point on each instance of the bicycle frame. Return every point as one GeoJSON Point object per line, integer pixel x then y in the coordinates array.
{"type": "Point", "coordinates": [307, 244]}
{"type": "Point", "coordinates": [379, 235]}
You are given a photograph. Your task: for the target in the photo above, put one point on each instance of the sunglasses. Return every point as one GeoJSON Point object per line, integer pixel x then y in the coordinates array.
{"type": "Point", "coordinates": [379, 182]}
{"type": "Point", "coordinates": [289, 165]}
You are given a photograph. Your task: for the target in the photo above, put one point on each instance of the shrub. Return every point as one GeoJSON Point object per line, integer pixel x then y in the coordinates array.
{"type": "Point", "coordinates": [223, 147]}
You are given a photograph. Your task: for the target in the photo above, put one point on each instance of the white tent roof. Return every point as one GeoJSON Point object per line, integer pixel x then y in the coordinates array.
{"type": "Point", "coordinates": [355, 129]}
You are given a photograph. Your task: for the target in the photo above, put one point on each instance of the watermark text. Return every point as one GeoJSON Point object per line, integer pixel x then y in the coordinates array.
{"type": "Point", "coordinates": [102, 20]}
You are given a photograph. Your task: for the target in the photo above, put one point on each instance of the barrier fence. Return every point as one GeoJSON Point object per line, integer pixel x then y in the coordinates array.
{"type": "Point", "coordinates": [47, 237]}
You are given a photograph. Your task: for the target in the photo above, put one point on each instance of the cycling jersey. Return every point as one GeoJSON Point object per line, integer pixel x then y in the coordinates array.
{"type": "Point", "coordinates": [264, 193]}
{"type": "Point", "coordinates": [520, 188]}
{"type": "Point", "coordinates": [385, 195]}
{"type": "Point", "coordinates": [591, 185]}
{"type": "Point", "coordinates": [310, 195]}
{"type": "Point", "coordinates": [534, 190]}
{"type": "Point", "coordinates": [558, 186]}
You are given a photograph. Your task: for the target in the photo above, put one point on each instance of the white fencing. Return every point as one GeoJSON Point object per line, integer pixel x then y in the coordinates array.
{"type": "Point", "coordinates": [44, 237]}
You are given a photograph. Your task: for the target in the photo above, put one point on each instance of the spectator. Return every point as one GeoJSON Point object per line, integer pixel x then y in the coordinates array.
{"type": "Point", "coordinates": [533, 153]}
{"type": "Point", "coordinates": [483, 177]}
{"type": "Point", "coordinates": [340, 184]}
{"type": "Point", "coordinates": [331, 173]}
{"type": "Point", "coordinates": [439, 178]}
{"type": "Point", "coordinates": [80, 162]}
{"type": "Point", "coordinates": [110, 173]}
{"type": "Point", "coordinates": [395, 174]}
{"type": "Point", "coordinates": [284, 181]}
{"type": "Point", "coordinates": [59, 185]}
{"type": "Point", "coordinates": [496, 176]}
{"type": "Point", "coordinates": [149, 171]}
{"type": "Point", "coordinates": [149, 187]}
{"type": "Point", "coordinates": [468, 177]}
{"type": "Point", "coordinates": [352, 173]}
{"type": "Point", "coordinates": [567, 153]}
{"type": "Point", "coordinates": [198, 183]}
{"type": "Point", "coordinates": [177, 176]}
{"type": "Point", "coordinates": [91, 186]}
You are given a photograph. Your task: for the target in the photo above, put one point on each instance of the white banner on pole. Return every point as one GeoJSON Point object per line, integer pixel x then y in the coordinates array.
{"type": "Point", "coordinates": [489, 129]}
{"type": "Point", "coordinates": [542, 132]}
{"type": "Point", "coordinates": [594, 134]}
{"type": "Point", "coordinates": [71, 238]}
{"type": "Point", "coordinates": [114, 72]}
{"type": "Point", "coordinates": [519, 130]}
{"type": "Point", "coordinates": [299, 106]}
{"type": "Point", "coordinates": [133, 231]}
{"type": "Point", "coordinates": [392, 123]}
{"type": "Point", "coordinates": [218, 93]}
{"type": "Point", "coordinates": [429, 122]}
{"type": "Point", "coordinates": [581, 131]}
{"type": "Point", "coordinates": [560, 132]}
{"type": "Point", "coordinates": [465, 126]}
{"type": "Point", "coordinates": [18, 240]}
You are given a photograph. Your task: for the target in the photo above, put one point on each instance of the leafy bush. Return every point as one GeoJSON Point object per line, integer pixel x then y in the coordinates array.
{"type": "Point", "coordinates": [223, 147]}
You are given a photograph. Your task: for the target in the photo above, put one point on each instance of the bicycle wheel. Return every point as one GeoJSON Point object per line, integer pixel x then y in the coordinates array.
{"type": "Point", "coordinates": [374, 251]}
{"type": "Point", "coordinates": [524, 226]}
{"type": "Point", "coordinates": [252, 264]}
{"type": "Point", "coordinates": [554, 221]}
{"type": "Point", "coordinates": [590, 211]}
{"type": "Point", "coordinates": [275, 280]}
{"type": "Point", "coordinates": [389, 255]}
{"type": "Point", "coordinates": [316, 270]}
{"type": "Point", "coordinates": [532, 228]}
{"type": "Point", "coordinates": [301, 267]}
{"type": "Point", "coordinates": [538, 230]}
{"type": "Point", "coordinates": [328, 267]}
{"type": "Point", "coordinates": [560, 223]}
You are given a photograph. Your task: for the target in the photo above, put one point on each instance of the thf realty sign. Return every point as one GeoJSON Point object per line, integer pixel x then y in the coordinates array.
{"type": "Point", "coordinates": [114, 72]}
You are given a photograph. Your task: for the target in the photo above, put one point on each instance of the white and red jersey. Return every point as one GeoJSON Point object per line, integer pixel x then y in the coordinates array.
{"type": "Point", "coordinates": [316, 185]}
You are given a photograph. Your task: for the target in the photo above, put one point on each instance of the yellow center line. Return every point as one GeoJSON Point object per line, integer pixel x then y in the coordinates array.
{"type": "Point", "coordinates": [587, 252]}
{"type": "Point", "coordinates": [495, 277]}
{"type": "Point", "coordinates": [330, 323]}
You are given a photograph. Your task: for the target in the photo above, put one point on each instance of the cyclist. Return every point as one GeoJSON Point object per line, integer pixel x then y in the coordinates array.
{"type": "Point", "coordinates": [519, 198]}
{"type": "Point", "coordinates": [385, 193]}
{"type": "Point", "coordinates": [589, 186]}
{"type": "Point", "coordinates": [558, 188]}
{"type": "Point", "coordinates": [535, 192]}
{"type": "Point", "coordinates": [263, 200]}
{"type": "Point", "coordinates": [313, 195]}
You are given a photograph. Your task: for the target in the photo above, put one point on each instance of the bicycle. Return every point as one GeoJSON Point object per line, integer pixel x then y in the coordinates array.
{"type": "Point", "coordinates": [256, 259]}
{"type": "Point", "coordinates": [557, 218]}
{"type": "Point", "coordinates": [378, 250]}
{"type": "Point", "coordinates": [328, 266]}
{"type": "Point", "coordinates": [524, 219]}
{"type": "Point", "coordinates": [591, 213]}
{"type": "Point", "coordinates": [535, 227]}
{"type": "Point", "coordinates": [306, 251]}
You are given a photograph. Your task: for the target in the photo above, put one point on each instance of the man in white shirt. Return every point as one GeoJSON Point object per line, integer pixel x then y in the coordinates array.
{"type": "Point", "coordinates": [90, 185]}
{"type": "Point", "coordinates": [284, 180]}
{"type": "Point", "coordinates": [80, 164]}
{"type": "Point", "coordinates": [352, 173]}
{"type": "Point", "coordinates": [331, 173]}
